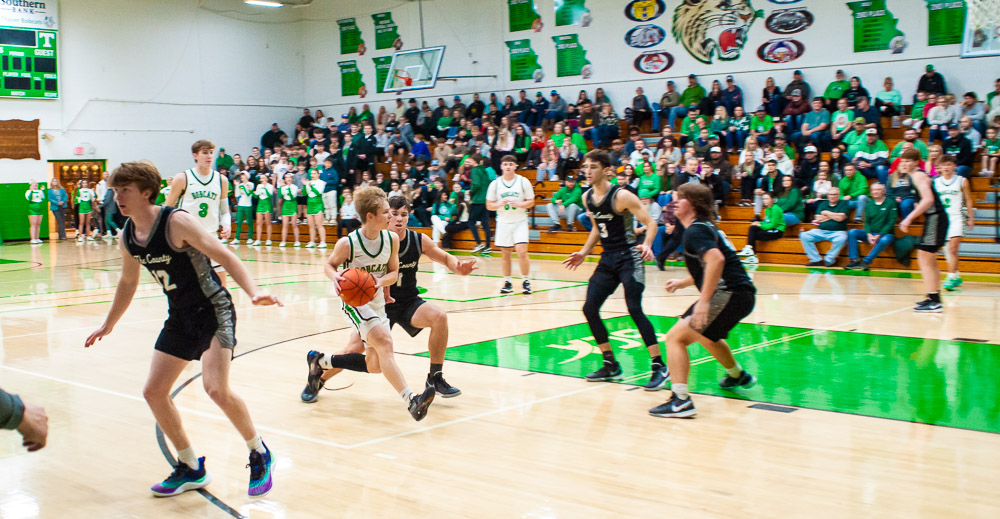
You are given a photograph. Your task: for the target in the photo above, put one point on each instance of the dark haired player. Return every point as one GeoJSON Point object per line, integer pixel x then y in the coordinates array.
{"type": "Point", "coordinates": [726, 296]}
{"type": "Point", "coordinates": [612, 210]}
{"type": "Point", "coordinates": [404, 305]}
{"type": "Point", "coordinates": [935, 233]}
{"type": "Point", "coordinates": [201, 321]}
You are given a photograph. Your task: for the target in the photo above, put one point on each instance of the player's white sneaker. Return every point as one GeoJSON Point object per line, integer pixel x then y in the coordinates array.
{"type": "Point", "coordinates": [282, 244]}
{"type": "Point", "coordinates": [322, 245]}
{"type": "Point", "coordinates": [310, 245]}
{"type": "Point", "coordinates": [268, 242]}
{"type": "Point", "coordinates": [297, 244]}
{"type": "Point", "coordinates": [747, 251]}
{"type": "Point", "coordinates": [256, 243]}
{"type": "Point", "coordinates": [234, 243]}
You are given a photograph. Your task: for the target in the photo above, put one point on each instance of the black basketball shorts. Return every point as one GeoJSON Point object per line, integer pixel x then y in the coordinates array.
{"type": "Point", "coordinates": [935, 232]}
{"type": "Point", "coordinates": [725, 310]}
{"type": "Point", "coordinates": [401, 313]}
{"type": "Point", "coordinates": [189, 332]}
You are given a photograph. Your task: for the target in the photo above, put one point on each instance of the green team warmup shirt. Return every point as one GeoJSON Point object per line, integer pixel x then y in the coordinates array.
{"type": "Point", "coordinates": [991, 146]}
{"type": "Point", "coordinates": [84, 198]}
{"type": "Point", "coordinates": [569, 197]}
{"type": "Point", "coordinates": [833, 225]}
{"type": "Point", "coordinates": [836, 89]}
{"type": "Point", "coordinates": [880, 219]}
{"type": "Point", "coordinates": [761, 125]}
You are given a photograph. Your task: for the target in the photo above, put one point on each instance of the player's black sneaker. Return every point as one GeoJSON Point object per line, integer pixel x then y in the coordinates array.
{"type": "Point", "coordinates": [526, 287]}
{"type": "Point", "coordinates": [485, 252]}
{"type": "Point", "coordinates": [508, 288]}
{"type": "Point", "coordinates": [443, 388]}
{"type": "Point", "coordinates": [609, 372]}
{"type": "Point", "coordinates": [675, 408]}
{"type": "Point", "coordinates": [658, 379]}
{"type": "Point", "coordinates": [314, 381]}
{"type": "Point", "coordinates": [928, 307]}
{"type": "Point", "coordinates": [419, 403]}
{"type": "Point", "coordinates": [745, 380]}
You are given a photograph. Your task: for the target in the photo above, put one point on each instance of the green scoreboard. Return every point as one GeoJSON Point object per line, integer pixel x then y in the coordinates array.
{"type": "Point", "coordinates": [28, 63]}
{"type": "Point", "coordinates": [29, 31]}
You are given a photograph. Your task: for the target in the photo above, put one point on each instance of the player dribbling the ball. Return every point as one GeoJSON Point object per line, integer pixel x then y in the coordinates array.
{"type": "Point", "coordinates": [374, 249]}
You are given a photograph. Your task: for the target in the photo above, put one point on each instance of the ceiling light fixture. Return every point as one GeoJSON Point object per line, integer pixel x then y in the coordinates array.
{"type": "Point", "coordinates": [262, 3]}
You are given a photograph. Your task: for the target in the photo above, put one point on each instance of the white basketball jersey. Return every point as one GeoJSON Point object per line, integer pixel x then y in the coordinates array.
{"type": "Point", "coordinates": [519, 189]}
{"type": "Point", "coordinates": [201, 198]}
{"type": "Point", "coordinates": [950, 192]}
{"type": "Point", "coordinates": [370, 255]}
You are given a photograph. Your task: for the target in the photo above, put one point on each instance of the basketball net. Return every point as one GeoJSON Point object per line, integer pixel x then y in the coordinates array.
{"type": "Point", "coordinates": [401, 78]}
{"type": "Point", "coordinates": [984, 13]}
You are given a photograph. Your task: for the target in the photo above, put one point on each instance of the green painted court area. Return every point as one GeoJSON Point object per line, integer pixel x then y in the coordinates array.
{"type": "Point", "coordinates": [929, 381]}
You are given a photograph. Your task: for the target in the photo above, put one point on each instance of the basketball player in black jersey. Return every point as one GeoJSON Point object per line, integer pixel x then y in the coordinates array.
{"type": "Point", "coordinates": [201, 320]}
{"type": "Point", "coordinates": [935, 229]}
{"type": "Point", "coordinates": [612, 210]}
{"type": "Point", "coordinates": [404, 305]}
{"type": "Point", "coordinates": [726, 296]}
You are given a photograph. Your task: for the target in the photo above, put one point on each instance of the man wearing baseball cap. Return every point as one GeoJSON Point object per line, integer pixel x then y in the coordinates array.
{"type": "Point", "coordinates": [959, 146]}
{"type": "Point", "coordinates": [871, 156]}
{"type": "Point", "coordinates": [692, 95]}
{"type": "Point", "coordinates": [670, 99]}
{"type": "Point", "coordinates": [799, 84]}
{"type": "Point", "coordinates": [732, 95]}
{"type": "Point", "coordinates": [857, 134]}
{"type": "Point", "coordinates": [537, 111]}
{"type": "Point", "coordinates": [835, 90]}
{"type": "Point", "coordinates": [931, 82]}
{"type": "Point", "coordinates": [556, 111]}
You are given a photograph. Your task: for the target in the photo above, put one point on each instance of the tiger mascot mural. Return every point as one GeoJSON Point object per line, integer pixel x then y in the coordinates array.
{"type": "Point", "coordinates": [705, 27]}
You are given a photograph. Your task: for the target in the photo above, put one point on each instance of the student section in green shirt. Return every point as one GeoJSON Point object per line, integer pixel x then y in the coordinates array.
{"type": "Point", "coordinates": [774, 218]}
{"type": "Point", "coordinates": [791, 202]}
{"type": "Point", "coordinates": [853, 186]}
{"type": "Point", "coordinates": [880, 219]}
{"type": "Point", "coordinates": [569, 197]}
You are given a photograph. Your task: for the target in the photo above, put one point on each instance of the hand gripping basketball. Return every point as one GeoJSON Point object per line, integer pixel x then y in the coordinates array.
{"type": "Point", "coordinates": [357, 287]}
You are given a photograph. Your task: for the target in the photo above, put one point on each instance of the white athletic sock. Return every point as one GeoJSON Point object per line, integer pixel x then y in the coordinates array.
{"type": "Point", "coordinates": [681, 390]}
{"type": "Point", "coordinates": [735, 371]}
{"type": "Point", "coordinates": [406, 394]}
{"type": "Point", "coordinates": [256, 444]}
{"type": "Point", "coordinates": [508, 279]}
{"type": "Point", "coordinates": [525, 278]}
{"type": "Point", "coordinates": [188, 457]}
{"type": "Point", "coordinates": [324, 362]}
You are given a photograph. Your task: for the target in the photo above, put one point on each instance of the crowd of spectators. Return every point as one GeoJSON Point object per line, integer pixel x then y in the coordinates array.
{"type": "Point", "coordinates": [801, 150]}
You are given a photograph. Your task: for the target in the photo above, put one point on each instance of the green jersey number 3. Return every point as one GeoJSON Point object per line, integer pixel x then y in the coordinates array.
{"type": "Point", "coordinates": [203, 210]}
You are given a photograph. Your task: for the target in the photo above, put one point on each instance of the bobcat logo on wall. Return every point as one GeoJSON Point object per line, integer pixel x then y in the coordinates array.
{"type": "Point", "coordinates": [781, 50]}
{"type": "Point", "coordinates": [643, 36]}
{"type": "Point", "coordinates": [654, 62]}
{"type": "Point", "coordinates": [644, 10]}
{"type": "Point", "coordinates": [789, 21]}
{"type": "Point", "coordinates": [719, 27]}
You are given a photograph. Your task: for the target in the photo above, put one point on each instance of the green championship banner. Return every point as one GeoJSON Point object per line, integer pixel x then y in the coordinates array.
{"type": "Point", "coordinates": [351, 83]}
{"type": "Point", "coordinates": [875, 27]}
{"type": "Point", "coordinates": [522, 16]}
{"type": "Point", "coordinates": [571, 59]}
{"type": "Point", "coordinates": [523, 61]}
{"type": "Point", "coordinates": [386, 35]}
{"type": "Point", "coordinates": [350, 37]}
{"type": "Point", "coordinates": [945, 21]}
{"type": "Point", "coordinates": [572, 12]}
{"type": "Point", "coordinates": [381, 72]}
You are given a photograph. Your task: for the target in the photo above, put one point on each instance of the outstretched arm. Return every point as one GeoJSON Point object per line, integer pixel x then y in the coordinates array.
{"type": "Point", "coordinates": [127, 284]}
{"type": "Point", "coordinates": [438, 255]}
{"type": "Point", "coordinates": [185, 230]}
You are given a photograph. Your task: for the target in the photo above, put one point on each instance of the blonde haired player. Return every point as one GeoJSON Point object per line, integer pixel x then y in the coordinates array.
{"type": "Point", "coordinates": [372, 248]}
{"type": "Point", "coordinates": [202, 192]}
{"type": "Point", "coordinates": [511, 195]}
{"type": "Point", "coordinates": [956, 197]}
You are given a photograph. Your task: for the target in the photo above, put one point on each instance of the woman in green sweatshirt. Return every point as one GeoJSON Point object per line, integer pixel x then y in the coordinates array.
{"type": "Point", "coordinates": [770, 229]}
{"type": "Point", "coordinates": [790, 202]}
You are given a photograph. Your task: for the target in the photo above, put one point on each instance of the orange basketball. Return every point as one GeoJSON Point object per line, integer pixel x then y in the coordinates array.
{"type": "Point", "coordinates": [357, 287]}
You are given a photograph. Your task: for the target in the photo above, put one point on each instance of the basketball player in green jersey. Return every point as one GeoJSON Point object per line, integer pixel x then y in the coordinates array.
{"type": "Point", "coordinates": [374, 249]}
{"type": "Point", "coordinates": [204, 193]}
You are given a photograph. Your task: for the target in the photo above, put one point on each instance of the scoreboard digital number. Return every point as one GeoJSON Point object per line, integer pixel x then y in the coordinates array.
{"type": "Point", "coordinates": [28, 63]}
